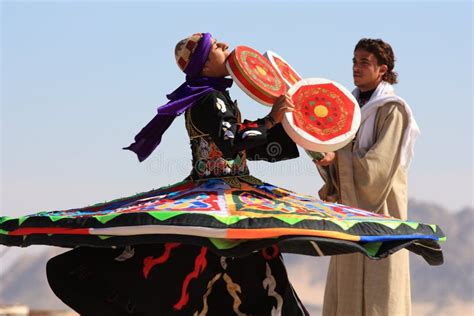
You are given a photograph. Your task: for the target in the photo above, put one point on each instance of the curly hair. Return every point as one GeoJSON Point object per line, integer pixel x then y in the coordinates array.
{"type": "Point", "coordinates": [383, 53]}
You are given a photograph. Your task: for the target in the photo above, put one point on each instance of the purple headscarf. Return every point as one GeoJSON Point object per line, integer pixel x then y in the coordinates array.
{"type": "Point", "coordinates": [195, 87]}
{"type": "Point", "coordinates": [199, 56]}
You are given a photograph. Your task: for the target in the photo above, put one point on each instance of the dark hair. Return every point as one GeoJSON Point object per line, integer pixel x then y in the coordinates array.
{"type": "Point", "coordinates": [383, 53]}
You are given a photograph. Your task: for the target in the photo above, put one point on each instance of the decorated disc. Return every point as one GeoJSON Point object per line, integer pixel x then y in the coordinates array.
{"type": "Point", "coordinates": [326, 115]}
{"type": "Point", "coordinates": [289, 75]}
{"type": "Point", "coordinates": [255, 75]}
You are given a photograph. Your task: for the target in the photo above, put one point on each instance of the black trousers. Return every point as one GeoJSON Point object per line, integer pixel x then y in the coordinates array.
{"type": "Point", "coordinates": [172, 279]}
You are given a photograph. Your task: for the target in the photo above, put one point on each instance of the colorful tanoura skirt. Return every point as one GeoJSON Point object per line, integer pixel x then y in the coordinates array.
{"type": "Point", "coordinates": [232, 217]}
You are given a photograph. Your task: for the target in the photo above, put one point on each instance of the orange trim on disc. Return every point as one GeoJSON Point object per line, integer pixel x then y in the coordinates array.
{"type": "Point", "coordinates": [234, 233]}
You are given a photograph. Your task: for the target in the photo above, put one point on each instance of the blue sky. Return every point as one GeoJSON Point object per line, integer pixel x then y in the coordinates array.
{"type": "Point", "coordinates": [79, 79]}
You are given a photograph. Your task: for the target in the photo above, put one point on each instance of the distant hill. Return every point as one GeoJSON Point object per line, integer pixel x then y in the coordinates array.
{"type": "Point", "coordinates": [25, 282]}
{"type": "Point", "coordinates": [433, 288]}
{"type": "Point", "coordinates": [455, 278]}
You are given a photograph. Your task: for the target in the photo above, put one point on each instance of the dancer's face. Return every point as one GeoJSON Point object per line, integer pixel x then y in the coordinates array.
{"type": "Point", "coordinates": [215, 64]}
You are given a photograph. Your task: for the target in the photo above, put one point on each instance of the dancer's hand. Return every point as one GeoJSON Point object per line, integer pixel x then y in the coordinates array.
{"type": "Point", "coordinates": [282, 105]}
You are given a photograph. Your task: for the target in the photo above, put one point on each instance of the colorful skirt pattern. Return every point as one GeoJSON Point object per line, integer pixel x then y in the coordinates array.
{"type": "Point", "coordinates": [232, 217]}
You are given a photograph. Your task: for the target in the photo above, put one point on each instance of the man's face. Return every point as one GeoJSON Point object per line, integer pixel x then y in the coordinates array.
{"type": "Point", "coordinates": [367, 74]}
{"type": "Point", "coordinates": [215, 64]}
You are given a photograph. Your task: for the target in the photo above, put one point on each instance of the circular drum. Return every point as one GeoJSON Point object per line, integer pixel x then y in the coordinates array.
{"type": "Point", "coordinates": [255, 75]}
{"type": "Point", "coordinates": [289, 75]}
{"type": "Point", "coordinates": [326, 115]}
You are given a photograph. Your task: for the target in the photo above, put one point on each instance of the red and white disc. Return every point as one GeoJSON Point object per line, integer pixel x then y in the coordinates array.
{"type": "Point", "coordinates": [288, 73]}
{"type": "Point", "coordinates": [326, 116]}
{"type": "Point", "coordinates": [255, 75]}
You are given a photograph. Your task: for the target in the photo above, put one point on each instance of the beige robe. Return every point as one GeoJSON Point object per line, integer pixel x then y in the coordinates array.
{"type": "Point", "coordinates": [372, 180]}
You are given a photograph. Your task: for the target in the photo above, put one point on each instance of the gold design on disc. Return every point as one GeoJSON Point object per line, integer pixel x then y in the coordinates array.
{"type": "Point", "coordinates": [300, 100]}
{"type": "Point", "coordinates": [261, 70]}
{"type": "Point", "coordinates": [321, 111]}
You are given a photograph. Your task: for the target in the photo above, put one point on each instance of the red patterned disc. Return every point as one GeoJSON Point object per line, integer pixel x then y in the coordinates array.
{"type": "Point", "coordinates": [290, 76]}
{"type": "Point", "coordinates": [326, 118]}
{"type": "Point", "coordinates": [255, 75]}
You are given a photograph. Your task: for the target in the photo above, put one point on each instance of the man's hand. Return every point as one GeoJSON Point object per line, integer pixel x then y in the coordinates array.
{"type": "Point", "coordinates": [327, 160]}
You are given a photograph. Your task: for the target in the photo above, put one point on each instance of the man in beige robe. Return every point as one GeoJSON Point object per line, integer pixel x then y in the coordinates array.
{"type": "Point", "coordinates": [371, 173]}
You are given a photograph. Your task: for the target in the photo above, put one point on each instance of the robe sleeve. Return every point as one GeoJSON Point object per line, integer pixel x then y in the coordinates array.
{"type": "Point", "coordinates": [218, 118]}
{"type": "Point", "coordinates": [374, 169]}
